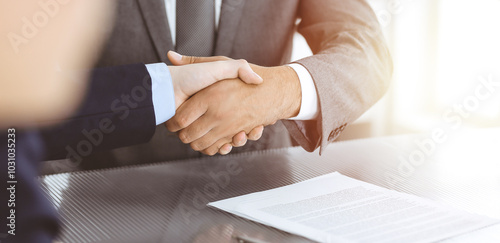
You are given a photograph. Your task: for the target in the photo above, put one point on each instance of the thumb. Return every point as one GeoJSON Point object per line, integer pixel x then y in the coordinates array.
{"type": "Point", "coordinates": [232, 69]}
{"type": "Point", "coordinates": [178, 59]}
{"type": "Point", "coordinates": [246, 74]}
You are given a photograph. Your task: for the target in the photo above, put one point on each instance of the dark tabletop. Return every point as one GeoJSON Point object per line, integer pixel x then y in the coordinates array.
{"type": "Point", "coordinates": [165, 202]}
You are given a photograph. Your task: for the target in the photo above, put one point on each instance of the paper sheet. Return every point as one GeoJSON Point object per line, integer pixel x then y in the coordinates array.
{"type": "Point", "coordinates": [336, 208]}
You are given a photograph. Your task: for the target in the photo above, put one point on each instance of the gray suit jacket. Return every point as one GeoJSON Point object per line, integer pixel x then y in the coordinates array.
{"type": "Point", "coordinates": [351, 66]}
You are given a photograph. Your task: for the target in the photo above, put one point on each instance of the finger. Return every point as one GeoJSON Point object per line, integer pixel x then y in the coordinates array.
{"type": "Point", "coordinates": [211, 138]}
{"type": "Point", "coordinates": [232, 69]}
{"type": "Point", "coordinates": [256, 133]}
{"type": "Point", "coordinates": [226, 67]}
{"type": "Point", "coordinates": [196, 130]}
{"type": "Point", "coordinates": [247, 75]}
{"type": "Point", "coordinates": [240, 139]}
{"type": "Point", "coordinates": [187, 113]}
{"type": "Point", "coordinates": [210, 151]}
{"type": "Point", "coordinates": [178, 59]}
{"type": "Point", "coordinates": [214, 148]}
{"type": "Point", "coordinates": [225, 149]}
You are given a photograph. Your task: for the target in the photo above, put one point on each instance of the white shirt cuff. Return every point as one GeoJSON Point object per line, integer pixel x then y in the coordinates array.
{"type": "Point", "coordinates": [309, 105]}
{"type": "Point", "coordinates": [162, 91]}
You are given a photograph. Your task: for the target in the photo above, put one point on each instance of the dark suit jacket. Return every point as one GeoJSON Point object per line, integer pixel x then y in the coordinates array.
{"type": "Point", "coordinates": [351, 66]}
{"type": "Point", "coordinates": [117, 111]}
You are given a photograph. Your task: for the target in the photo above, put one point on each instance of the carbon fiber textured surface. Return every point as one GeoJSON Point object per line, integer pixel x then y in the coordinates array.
{"type": "Point", "coordinates": [165, 202]}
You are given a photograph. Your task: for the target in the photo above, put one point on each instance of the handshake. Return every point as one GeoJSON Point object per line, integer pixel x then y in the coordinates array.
{"type": "Point", "coordinates": [221, 103]}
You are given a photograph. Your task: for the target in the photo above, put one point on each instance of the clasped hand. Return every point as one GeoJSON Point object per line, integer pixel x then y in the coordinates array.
{"type": "Point", "coordinates": [222, 103]}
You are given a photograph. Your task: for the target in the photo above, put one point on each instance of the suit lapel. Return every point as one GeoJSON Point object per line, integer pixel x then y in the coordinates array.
{"type": "Point", "coordinates": [230, 15]}
{"type": "Point", "coordinates": [155, 16]}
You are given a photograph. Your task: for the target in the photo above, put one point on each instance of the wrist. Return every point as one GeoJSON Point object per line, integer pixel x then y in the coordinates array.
{"type": "Point", "coordinates": [179, 95]}
{"type": "Point", "coordinates": [292, 95]}
{"type": "Point", "coordinates": [280, 92]}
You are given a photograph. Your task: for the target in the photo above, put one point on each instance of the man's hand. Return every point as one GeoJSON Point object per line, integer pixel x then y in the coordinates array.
{"type": "Point", "coordinates": [189, 79]}
{"type": "Point", "coordinates": [239, 139]}
{"type": "Point", "coordinates": [210, 118]}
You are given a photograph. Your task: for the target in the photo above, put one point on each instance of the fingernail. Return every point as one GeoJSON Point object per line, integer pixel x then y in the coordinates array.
{"type": "Point", "coordinates": [258, 76]}
{"type": "Point", "coordinates": [176, 56]}
{"type": "Point", "coordinates": [228, 150]}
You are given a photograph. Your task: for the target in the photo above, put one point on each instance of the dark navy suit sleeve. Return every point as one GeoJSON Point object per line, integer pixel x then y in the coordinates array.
{"type": "Point", "coordinates": [117, 111]}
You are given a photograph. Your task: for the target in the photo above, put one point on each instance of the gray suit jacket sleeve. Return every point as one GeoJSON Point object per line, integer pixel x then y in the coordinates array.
{"type": "Point", "coordinates": [351, 66]}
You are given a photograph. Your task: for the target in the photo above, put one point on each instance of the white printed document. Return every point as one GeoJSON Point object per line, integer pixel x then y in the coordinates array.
{"type": "Point", "coordinates": [336, 208]}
